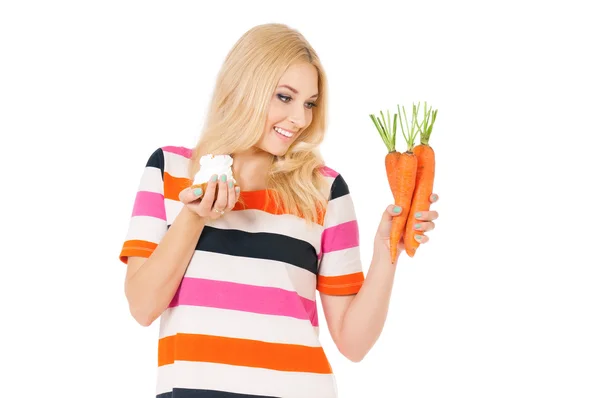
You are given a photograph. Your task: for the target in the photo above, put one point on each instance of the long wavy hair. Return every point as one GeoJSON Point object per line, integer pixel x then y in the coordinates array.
{"type": "Point", "coordinates": [239, 107]}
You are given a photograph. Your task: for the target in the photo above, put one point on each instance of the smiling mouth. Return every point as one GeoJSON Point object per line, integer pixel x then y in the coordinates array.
{"type": "Point", "coordinates": [283, 133]}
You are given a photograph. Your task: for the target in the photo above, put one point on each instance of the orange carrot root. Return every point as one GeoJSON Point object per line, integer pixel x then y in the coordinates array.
{"type": "Point", "coordinates": [403, 184]}
{"type": "Point", "coordinates": [424, 181]}
{"type": "Point", "coordinates": [421, 196]}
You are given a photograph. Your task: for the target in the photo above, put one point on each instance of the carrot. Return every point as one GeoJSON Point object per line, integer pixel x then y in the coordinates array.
{"type": "Point", "coordinates": [423, 184]}
{"type": "Point", "coordinates": [401, 170]}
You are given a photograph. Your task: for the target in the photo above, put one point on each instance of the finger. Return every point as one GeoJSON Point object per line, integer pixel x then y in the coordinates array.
{"type": "Point", "coordinates": [426, 215]}
{"type": "Point", "coordinates": [434, 198]}
{"type": "Point", "coordinates": [189, 195]}
{"type": "Point", "coordinates": [209, 196]}
{"type": "Point", "coordinates": [221, 202]}
{"type": "Point", "coordinates": [392, 210]}
{"type": "Point", "coordinates": [238, 191]}
{"type": "Point", "coordinates": [424, 226]}
{"type": "Point", "coordinates": [386, 220]}
{"type": "Point", "coordinates": [231, 195]}
{"type": "Point", "coordinates": [421, 238]}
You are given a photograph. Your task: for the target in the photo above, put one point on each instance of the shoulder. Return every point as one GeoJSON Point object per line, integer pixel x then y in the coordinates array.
{"type": "Point", "coordinates": [170, 159]}
{"type": "Point", "coordinates": [337, 186]}
{"type": "Point", "coordinates": [179, 151]}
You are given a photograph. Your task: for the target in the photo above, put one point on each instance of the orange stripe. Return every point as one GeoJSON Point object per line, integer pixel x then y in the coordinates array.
{"type": "Point", "coordinates": [340, 285]}
{"type": "Point", "coordinates": [136, 248]}
{"type": "Point", "coordinates": [257, 200]}
{"type": "Point", "coordinates": [254, 200]}
{"type": "Point", "coordinates": [242, 352]}
{"type": "Point", "coordinates": [174, 185]}
{"type": "Point", "coordinates": [166, 350]}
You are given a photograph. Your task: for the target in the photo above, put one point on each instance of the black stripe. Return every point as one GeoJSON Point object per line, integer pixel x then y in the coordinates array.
{"type": "Point", "coordinates": [157, 159]}
{"type": "Point", "coordinates": [339, 188]}
{"type": "Point", "coordinates": [192, 393]}
{"type": "Point", "coordinates": [264, 245]}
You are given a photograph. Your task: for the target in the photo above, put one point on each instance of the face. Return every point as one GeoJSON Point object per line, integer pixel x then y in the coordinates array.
{"type": "Point", "coordinates": [291, 109]}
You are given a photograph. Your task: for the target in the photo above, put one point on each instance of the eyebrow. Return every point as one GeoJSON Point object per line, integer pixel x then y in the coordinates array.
{"type": "Point", "coordinates": [292, 89]}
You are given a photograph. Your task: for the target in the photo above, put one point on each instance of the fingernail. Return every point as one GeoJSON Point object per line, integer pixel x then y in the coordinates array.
{"type": "Point", "coordinates": [418, 215]}
{"type": "Point", "coordinates": [223, 177]}
{"type": "Point", "coordinates": [214, 178]}
{"type": "Point", "coordinates": [417, 226]}
{"type": "Point", "coordinates": [230, 184]}
{"type": "Point", "coordinates": [237, 189]}
{"type": "Point", "coordinates": [198, 191]}
{"type": "Point", "coordinates": [418, 237]}
{"type": "Point", "coordinates": [397, 209]}
{"type": "Point", "coordinates": [435, 197]}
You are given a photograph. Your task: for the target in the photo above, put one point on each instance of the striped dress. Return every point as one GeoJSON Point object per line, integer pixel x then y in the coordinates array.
{"type": "Point", "coordinates": [243, 322]}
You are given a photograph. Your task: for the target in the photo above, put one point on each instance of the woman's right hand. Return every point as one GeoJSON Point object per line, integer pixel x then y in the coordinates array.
{"type": "Point", "coordinates": [210, 204]}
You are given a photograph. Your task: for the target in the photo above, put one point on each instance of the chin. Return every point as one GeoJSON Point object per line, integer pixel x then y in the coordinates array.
{"type": "Point", "coordinates": [275, 148]}
{"type": "Point", "coordinates": [276, 152]}
{"type": "Point", "coordinates": [275, 145]}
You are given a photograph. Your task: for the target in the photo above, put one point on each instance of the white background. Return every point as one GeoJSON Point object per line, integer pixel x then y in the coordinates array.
{"type": "Point", "coordinates": [503, 301]}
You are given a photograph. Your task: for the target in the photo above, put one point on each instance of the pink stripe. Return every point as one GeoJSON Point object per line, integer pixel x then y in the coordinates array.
{"type": "Point", "coordinates": [247, 298]}
{"type": "Point", "coordinates": [339, 237]}
{"type": "Point", "coordinates": [150, 204]}
{"type": "Point", "coordinates": [179, 150]}
{"type": "Point", "coordinates": [327, 172]}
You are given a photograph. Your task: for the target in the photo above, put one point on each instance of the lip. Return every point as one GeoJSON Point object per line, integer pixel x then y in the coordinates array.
{"type": "Point", "coordinates": [288, 130]}
{"type": "Point", "coordinates": [282, 136]}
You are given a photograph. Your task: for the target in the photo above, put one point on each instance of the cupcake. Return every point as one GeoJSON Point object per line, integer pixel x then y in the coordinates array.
{"type": "Point", "coordinates": [211, 165]}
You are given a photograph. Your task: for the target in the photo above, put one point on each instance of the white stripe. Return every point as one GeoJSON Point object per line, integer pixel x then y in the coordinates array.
{"type": "Point", "coordinates": [151, 180]}
{"type": "Point", "coordinates": [176, 165]}
{"type": "Point", "coordinates": [167, 374]}
{"type": "Point", "coordinates": [226, 323]}
{"type": "Point", "coordinates": [245, 380]}
{"type": "Point", "coordinates": [146, 228]}
{"type": "Point", "coordinates": [341, 262]}
{"type": "Point", "coordinates": [260, 221]}
{"type": "Point", "coordinates": [252, 271]}
{"type": "Point", "coordinates": [339, 210]}
{"type": "Point", "coordinates": [326, 189]}
{"type": "Point", "coordinates": [172, 209]}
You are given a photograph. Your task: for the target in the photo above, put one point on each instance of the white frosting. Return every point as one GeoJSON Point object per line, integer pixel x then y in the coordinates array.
{"type": "Point", "coordinates": [214, 164]}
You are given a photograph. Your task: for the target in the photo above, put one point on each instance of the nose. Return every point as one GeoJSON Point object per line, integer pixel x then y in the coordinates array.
{"type": "Point", "coordinates": [298, 116]}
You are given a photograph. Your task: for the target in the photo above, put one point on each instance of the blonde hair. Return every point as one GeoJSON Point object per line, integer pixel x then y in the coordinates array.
{"type": "Point", "coordinates": [238, 111]}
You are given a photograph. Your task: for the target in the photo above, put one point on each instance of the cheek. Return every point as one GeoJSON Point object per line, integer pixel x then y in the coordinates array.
{"type": "Point", "coordinates": [276, 115]}
{"type": "Point", "coordinates": [309, 117]}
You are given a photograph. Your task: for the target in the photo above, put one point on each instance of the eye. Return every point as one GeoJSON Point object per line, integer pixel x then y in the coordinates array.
{"type": "Point", "coordinates": [284, 98]}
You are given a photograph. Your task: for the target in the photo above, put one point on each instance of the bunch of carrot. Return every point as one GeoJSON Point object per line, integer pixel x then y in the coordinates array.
{"type": "Point", "coordinates": [410, 174]}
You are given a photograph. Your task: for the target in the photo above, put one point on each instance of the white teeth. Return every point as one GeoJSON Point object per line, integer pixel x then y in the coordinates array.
{"type": "Point", "coordinates": [282, 132]}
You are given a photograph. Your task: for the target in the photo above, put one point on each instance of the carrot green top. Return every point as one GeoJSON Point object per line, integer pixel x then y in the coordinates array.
{"type": "Point", "coordinates": [389, 137]}
{"type": "Point", "coordinates": [426, 131]}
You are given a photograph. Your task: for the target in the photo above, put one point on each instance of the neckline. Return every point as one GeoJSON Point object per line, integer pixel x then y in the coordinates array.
{"type": "Point", "coordinates": [256, 191]}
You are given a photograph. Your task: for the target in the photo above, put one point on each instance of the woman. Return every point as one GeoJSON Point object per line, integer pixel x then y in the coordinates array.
{"type": "Point", "coordinates": [233, 273]}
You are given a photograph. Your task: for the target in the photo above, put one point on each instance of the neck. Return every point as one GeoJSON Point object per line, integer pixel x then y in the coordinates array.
{"type": "Point", "coordinates": [251, 168]}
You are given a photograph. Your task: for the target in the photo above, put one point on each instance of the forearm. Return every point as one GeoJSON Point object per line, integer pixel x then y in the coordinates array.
{"type": "Point", "coordinates": [367, 313]}
{"type": "Point", "coordinates": [151, 289]}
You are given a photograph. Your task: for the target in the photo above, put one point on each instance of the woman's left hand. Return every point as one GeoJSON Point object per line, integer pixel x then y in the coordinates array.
{"type": "Point", "coordinates": [425, 224]}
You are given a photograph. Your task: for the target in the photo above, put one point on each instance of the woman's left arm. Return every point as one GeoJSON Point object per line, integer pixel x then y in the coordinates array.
{"type": "Point", "coordinates": [355, 322]}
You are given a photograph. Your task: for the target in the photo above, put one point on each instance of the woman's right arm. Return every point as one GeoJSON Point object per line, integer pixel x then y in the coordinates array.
{"type": "Point", "coordinates": [151, 283]}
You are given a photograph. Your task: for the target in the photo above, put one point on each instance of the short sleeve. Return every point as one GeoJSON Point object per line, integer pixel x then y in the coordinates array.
{"type": "Point", "coordinates": [340, 269]}
{"type": "Point", "coordinates": [148, 222]}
